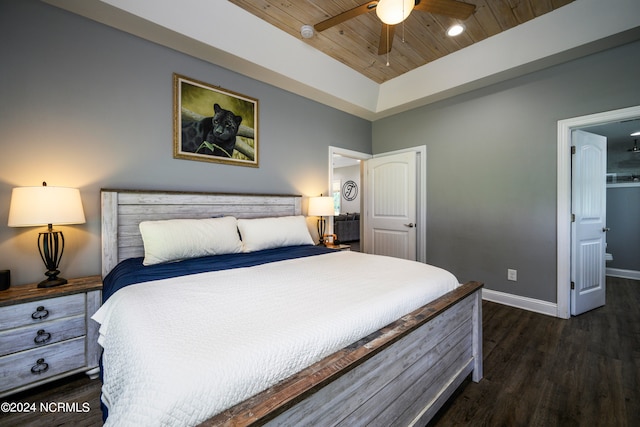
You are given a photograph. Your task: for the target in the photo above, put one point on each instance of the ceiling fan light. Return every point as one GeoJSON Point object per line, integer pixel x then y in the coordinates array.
{"type": "Point", "coordinates": [393, 12]}
{"type": "Point", "coordinates": [455, 30]}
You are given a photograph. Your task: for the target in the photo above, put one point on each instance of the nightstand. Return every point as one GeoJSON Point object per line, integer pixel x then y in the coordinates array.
{"type": "Point", "coordinates": [338, 247]}
{"type": "Point", "coordinates": [47, 333]}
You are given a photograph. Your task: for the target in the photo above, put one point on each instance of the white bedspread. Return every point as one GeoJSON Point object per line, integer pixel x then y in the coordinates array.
{"type": "Point", "coordinates": [178, 351]}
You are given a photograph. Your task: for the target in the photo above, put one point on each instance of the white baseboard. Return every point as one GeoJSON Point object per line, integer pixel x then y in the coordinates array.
{"type": "Point", "coordinates": [545, 307]}
{"type": "Point", "coordinates": [525, 303]}
{"type": "Point", "coordinates": [625, 274]}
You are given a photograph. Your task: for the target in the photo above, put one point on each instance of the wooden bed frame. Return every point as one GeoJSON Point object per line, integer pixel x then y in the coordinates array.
{"type": "Point", "coordinates": [399, 375]}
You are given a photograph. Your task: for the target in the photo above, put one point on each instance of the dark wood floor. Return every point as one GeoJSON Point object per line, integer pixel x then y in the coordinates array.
{"type": "Point", "coordinates": [538, 371]}
{"type": "Point", "coordinates": [543, 371]}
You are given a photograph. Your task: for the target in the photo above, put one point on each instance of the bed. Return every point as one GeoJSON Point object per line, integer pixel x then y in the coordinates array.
{"type": "Point", "coordinates": [178, 365]}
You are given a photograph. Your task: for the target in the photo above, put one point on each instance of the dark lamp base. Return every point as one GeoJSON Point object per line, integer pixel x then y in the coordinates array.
{"type": "Point", "coordinates": [50, 283]}
{"type": "Point", "coordinates": [51, 247]}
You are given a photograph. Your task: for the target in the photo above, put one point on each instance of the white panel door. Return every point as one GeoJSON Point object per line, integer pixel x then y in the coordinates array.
{"type": "Point", "coordinates": [391, 206]}
{"type": "Point", "coordinates": [588, 231]}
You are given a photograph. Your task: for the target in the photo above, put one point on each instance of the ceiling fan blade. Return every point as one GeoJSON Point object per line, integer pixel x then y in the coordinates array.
{"type": "Point", "coordinates": [386, 38]}
{"type": "Point", "coordinates": [345, 16]}
{"type": "Point", "coordinates": [452, 8]}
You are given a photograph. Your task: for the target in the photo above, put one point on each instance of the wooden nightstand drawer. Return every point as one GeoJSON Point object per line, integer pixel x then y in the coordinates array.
{"type": "Point", "coordinates": [34, 365]}
{"type": "Point", "coordinates": [45, 333]}
{"type": "Point", "coordinates": [37, 312]}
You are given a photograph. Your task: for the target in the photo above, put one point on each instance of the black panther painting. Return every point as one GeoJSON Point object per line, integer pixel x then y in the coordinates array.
{"type": "Point", "coordinates": [212, 135]}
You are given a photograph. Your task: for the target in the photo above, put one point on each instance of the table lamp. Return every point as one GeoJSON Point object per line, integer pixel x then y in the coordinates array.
{"type": "Point", "coordinates": [321, 207]}
{"type": "Point", "coordinates": [36, 206]}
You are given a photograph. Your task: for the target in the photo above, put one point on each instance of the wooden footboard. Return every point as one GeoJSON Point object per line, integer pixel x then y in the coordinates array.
{"type": "Point", "coordinates": [398, 376]}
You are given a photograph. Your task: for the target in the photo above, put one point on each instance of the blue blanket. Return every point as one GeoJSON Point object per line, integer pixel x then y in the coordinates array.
{"type": "Point", "coordinates": [132, 271]}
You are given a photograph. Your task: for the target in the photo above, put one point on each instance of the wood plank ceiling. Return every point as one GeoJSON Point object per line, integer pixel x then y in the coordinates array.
{"type": "Point", "coordinates": [355, 42]}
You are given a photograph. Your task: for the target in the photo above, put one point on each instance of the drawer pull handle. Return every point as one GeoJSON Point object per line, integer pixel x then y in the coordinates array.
{"type": "Point", "coordinates": [42, 337]}
{"type": "Point", "coordinates": [40, 314]}
{"type": "Point", "coordinates": [40, 367]}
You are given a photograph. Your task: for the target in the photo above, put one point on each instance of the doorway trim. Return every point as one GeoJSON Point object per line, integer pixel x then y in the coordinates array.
{"type": "Point", "coordinates": [563, 218]}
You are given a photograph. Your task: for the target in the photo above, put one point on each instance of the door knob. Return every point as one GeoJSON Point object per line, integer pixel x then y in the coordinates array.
{"type": "Point", "coordinates": [605, 229]}
{"type": "Point", "coordinates": [410, 225]}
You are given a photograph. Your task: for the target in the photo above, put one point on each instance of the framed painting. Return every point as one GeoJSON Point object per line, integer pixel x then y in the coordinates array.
{"type": "Point", "coordinates": [212, 124]}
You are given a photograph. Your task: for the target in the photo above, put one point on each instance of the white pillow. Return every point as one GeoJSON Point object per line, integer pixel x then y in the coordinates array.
{"type": "Point", "coordinates": [274, 232]}
{"type": "Point", "coordinates": [176, 239]}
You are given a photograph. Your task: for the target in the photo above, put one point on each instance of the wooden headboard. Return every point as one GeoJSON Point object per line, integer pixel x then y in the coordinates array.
{"type": "Point", "coordinates": [123, 210]}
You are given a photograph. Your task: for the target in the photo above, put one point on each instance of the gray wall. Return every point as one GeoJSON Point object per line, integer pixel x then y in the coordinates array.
{"type": "Point", "coordinates": [88, 106]}
{"type": "Point", "coordinates": [491, 166]}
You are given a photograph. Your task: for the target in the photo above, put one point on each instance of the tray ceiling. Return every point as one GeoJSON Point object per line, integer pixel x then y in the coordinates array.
{"type": "Point", "coordinates": [240, 41]}
{"type": "Point", "coordinates": [355, 42]}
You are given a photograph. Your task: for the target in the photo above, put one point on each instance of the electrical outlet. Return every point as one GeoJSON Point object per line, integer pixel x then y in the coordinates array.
{"type": "Point", "coordinates": [512, 275]}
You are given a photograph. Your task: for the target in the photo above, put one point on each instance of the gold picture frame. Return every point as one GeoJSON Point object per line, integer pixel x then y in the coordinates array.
{"type": "Point", "coordinates": [212, 124]}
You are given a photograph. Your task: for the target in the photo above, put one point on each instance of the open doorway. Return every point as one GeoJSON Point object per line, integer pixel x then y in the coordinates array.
{"type": "Point", "coordinates": [623, 196]}
{"type": "Point", "coordinates": [597, 123]}
{"type": "Point", "coordinates": [415, 220]}
{"type": "Point", "coordinates": [346, 185]}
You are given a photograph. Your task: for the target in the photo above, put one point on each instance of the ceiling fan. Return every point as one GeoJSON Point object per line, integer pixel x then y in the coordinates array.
{"type": "Point", "coordinates": [452, 8]}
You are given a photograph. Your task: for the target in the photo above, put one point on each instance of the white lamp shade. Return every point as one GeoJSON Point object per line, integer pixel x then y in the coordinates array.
{"type": "Point", "coordinates": [35, 206]}
{"type": "Point", "coordinates": [321, 206]}
{"type": "Point", "coordinates": [393, 12]}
